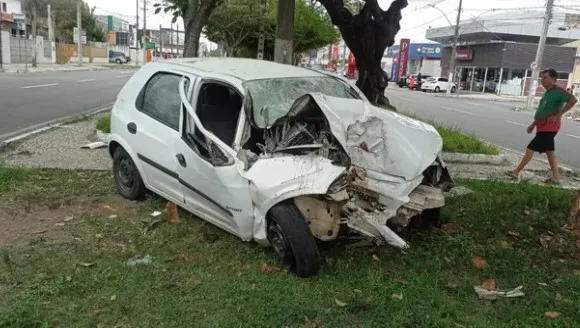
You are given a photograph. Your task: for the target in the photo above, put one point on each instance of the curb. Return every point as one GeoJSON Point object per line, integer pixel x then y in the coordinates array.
{"type": "Point", "coordinates": [104, 137]}
{"type": "Point", "coordinates": [459, 158]}
{"type": "Point", "coordinates": [565, 169]}
{"type": "Point", "coordinates": [43, 127]}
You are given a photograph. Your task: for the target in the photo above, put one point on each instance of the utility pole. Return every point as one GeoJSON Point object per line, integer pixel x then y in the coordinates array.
{"type": "Point", "coordinates": [177, 36]}
{"type": "Point", "coordinates": [285, 32]}
{"type": "Point", "coordinates": [160, 42]}
{"type": "Point", "coordinates": [144, 31]}
{"type": "Point", "coordinates": [137, 38]}
{"type": "Point", "coordinates": [34, 23]}
{"type": "Point", "coordinates": [454, 49]}
{"type": "Point", "coordinates": [79, 32]}
{"type": "Point", "coordinates": [171, 40]}
{"type": "Point", "coordinates": [533, 85]}
{"type": "Point", "coordinates": [51, 34]}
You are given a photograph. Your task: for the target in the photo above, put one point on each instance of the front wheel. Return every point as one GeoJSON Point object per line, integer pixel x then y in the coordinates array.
{"type": "Point", "coordinates": [453, 90]}
{"type": "Point", "coordinates": [127, 178]}
{"type": "Point", "coordinates": [118, 61]}
{"type": "Point", "coordinates": [437, 89]}
{"type": "Point", "coordinates": [292, 240]}
{"type": "Point", "coordinates": [429, 218]}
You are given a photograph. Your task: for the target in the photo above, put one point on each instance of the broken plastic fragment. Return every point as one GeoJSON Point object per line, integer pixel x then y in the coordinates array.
{"type": "Point", "coordinates": [146, 260]}
{"type": "Point", "coordinates": [155, 214]}
{"type": "Point", "coordinates": [94, 145]}
{"type": "Point", "coordinates": [485, 294]}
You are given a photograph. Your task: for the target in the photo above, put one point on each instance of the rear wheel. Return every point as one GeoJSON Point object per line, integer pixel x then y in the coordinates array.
{"type": "Point", "coordinates": [294, 244]}
{"type": "Point", "coordinates": [453, 90]}
{"type": "Point", "coordinates": [118, 61]}
{"type": "Point", "coordinates": [437, 89]}
{"type": "Point", "coordinates": [127, 178]}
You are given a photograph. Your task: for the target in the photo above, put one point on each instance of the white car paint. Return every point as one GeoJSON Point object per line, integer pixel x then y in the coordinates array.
{"type": "Point", "coordinates": [236, 198]}
{"type": "Point", "coordinates": [432, 83]}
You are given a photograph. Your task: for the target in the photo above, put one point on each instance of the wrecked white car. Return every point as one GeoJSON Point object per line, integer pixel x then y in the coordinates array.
{"type": "Point", "coordinates": [278, 154]}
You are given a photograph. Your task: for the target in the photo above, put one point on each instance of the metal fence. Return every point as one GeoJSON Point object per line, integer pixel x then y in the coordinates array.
{"type": "Point", "coordinates": [21, 50]}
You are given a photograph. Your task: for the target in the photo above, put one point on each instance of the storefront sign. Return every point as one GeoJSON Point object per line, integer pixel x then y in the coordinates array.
{"type": "Point", "coordinates": [403, 57]}
{"type": "Point", "coordinates": [7, 18]}
{"type": "Point", "coordinates": [464, 55]}
{"type": "Point", "coordinates": [426, 50]}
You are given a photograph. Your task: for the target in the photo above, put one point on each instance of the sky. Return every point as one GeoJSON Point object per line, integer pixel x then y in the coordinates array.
{"type": "Point", "coordinates": [417, 17]}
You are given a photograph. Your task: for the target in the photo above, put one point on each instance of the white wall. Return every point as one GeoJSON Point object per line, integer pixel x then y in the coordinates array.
{"type": "Point", "coordinates": [13, 6]}
{"type": "Point", "coordinates": [5, 47]}
{"type": "Point", "coordinates": [431, 67]}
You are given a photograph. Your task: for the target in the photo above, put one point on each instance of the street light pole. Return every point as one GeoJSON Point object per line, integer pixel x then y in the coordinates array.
{"type": "Point", "coordinates": [454, 49]}
{"type": "Point", "coordinates": [533, 85]}
{"type": "Point", "coordinates": [137, 41]}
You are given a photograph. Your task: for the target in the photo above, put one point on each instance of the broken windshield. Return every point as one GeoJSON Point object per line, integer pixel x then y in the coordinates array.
{"type": "Point", "coordinates": [272, 98]}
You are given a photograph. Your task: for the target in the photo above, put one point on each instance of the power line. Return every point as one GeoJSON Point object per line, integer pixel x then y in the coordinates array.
{"type": "Point", "coordinates": [431, 21]}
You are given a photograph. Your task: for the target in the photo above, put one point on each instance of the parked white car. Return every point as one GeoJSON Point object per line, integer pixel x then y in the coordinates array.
{"type": "Point", "coordinates": [274, 153]}
{"type": "Point", "coordinates": [438, 84]}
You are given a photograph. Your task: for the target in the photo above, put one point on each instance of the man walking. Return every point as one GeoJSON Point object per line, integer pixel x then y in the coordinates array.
{"type": "Point", "coordinates": [547, 121]}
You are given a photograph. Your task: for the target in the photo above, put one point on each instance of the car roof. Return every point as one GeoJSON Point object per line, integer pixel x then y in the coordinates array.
{"type": "Point", "coordinates": [244, 69]}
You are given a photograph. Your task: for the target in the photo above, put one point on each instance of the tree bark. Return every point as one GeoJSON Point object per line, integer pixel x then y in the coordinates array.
{"type": "Point", "coordinates": [195, 18]}
{"type": "Point", "coordinates": [34, 23]}
{"type": "Point", "coordinates": [368, 34]}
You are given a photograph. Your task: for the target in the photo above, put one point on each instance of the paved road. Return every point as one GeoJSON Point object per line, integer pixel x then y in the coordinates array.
{"type": "Point", "coordinates": [29, 99]}
{"type": "Point", "coordinates": [491, 120]}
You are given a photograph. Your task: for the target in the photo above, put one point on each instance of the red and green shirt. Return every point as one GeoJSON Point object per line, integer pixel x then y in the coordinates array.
{"type": "Point", "coordinates": [551, 103]}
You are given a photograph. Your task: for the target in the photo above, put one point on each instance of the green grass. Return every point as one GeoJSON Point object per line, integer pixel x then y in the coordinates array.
{"type": "Point", "coordinates": [104, 123]}
{"type": "Point", "coordinates": [456, 141]}
{"type": "Point", "coordinates": [203, 277]}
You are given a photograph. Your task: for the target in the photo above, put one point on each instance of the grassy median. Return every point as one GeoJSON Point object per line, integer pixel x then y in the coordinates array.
{"type": "Point", "coordinates": [65, 238]}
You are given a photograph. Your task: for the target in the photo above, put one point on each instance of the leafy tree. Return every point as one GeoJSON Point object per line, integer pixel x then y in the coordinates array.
{"type": "Point", "coordinates": [195, 14]}
{"type": "Point", "coordinates": [312, 30]}
{"type": "Point", "coordinates": [234, 21]}
{"type": "Point", "coordinates": [367, 34]}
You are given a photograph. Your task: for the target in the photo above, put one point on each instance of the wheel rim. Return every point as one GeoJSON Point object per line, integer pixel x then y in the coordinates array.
{"type": "Point", "coordinates": [126, 175]}
{"type": "Point", "coordinates": [279, 243]}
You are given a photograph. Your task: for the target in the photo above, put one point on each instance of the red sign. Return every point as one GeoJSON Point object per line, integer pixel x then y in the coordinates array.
{"type": "Point", "coordinates": [464, 54]}
{"type": "Point", "coordinates": [4, 17]}
{"type": "Point", "coordinates": [351, 66]}
{"type": "Point", "coordinates": [335, 53]}
{"type": "Point", "coordinates": [403, 57]}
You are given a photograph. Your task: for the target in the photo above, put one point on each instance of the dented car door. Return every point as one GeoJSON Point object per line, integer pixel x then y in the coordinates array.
{"type": "Point", "coordinates": [213, 187]}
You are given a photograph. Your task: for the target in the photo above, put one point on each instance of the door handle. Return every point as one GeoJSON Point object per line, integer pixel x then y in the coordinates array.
{"type": "Point", "coordinates": [181, 160]}
{"type": "Point", "coordinates": [132, 128]}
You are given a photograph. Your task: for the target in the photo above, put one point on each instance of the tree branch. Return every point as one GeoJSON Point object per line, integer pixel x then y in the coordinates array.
{"type": "Point", "coordinates": [339, 14]}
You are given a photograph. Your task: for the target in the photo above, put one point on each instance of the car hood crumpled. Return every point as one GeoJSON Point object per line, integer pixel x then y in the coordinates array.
{"type": "Point", "coordinates": [377, 139]}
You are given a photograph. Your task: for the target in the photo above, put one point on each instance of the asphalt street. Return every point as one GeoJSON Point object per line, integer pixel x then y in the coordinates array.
{"type": "Point", "coordinates": [35, 98]}
{"type": "Point", "coordinates": [494, 121]}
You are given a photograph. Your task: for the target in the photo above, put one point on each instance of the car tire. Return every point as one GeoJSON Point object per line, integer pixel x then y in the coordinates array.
{"type": "Point", "coordinates": [290, 236]}
{"type": "Point", "coordinates": [453, 90]}
{"type": "Point", "coordinates": [127, 177]}
{"type": "Point", "coordinates": [118, 61]}
{"type": "Point", "coordinates": [437, 89]}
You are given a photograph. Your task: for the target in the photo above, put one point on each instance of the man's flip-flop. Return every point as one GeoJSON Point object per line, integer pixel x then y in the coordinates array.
{"type": "Point", "coordinates": [512, 175]}
{"type": "Point", "coordinates": [552, 182]}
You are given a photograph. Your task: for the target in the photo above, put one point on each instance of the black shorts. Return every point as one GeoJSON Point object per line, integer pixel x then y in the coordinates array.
{"type": "Point", "coordinates": [543, 142]}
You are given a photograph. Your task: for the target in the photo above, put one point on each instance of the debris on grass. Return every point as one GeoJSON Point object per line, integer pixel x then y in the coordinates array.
{"type": "Point", "coordinates": [486, 294]}
{"type": "Point", "coordinates": [545, 240]}
{"type": "Point", "coordinates": [397, 296]}
{"type": "Point", "coordinates": [552, 314]}
{"type": "Point", "coordinates": [479, 262]}
{"type": "Point", "coordinates": [449, 228]}
{"type": "Point", "coordinates": [172, 213]}
{"type": "Point", "coordinates": [490, 285]}
{"type": "Point", "coordinates": [156, 214]}
{"type": "Point", "coordinates": [86, 264]}
{"type": "Point", "coordinates": [94, 145]}
{"type": "Point", "coordinates": [339, 303]}
{"type": "Point", "coordinates": [458, 192]}
{"type": "Point", "coordinates": [146, 260]}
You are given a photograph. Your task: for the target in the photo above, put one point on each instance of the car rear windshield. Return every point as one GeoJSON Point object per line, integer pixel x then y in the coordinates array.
{"type": "Point", "coordinates": [273, 98]}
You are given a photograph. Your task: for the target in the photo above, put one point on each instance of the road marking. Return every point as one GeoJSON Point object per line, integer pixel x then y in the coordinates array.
{"type": "Point", "coordinates": [39, 86]}
{"type": "Point", "coordinates": [516, 123]}
{"type": "Point", "coordinates": [573, 136]}
{"type": "Point", "coordinates": [87, 80]}
{"type": "Point", "coordinates": [461, 111]}
{"type": "Point", "coordinates": [124, 75]}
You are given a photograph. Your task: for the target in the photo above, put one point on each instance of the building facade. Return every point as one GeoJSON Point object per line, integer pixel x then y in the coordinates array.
{"type": "Point", "coordinates": [424, 58]}
{"type": "Point", "coordinates": [496, 54]}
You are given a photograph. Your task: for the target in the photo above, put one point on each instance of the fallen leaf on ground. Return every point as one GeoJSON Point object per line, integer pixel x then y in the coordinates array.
{"type": "Point", "coordinates": [514, 233]}
{"type": "Point", "coordinates": [403, 282]}
{"type": "Point", "coordinates": [397, 297]}
{"type": "Point", "coordinates": [114, 297]}
{"type": "Point", "coordinates": [68, 218]}
{"type": "Point", "coordinates": [339, 303]}
{"type": "Point", "coordinates": [545, 240]}
{"type": "Point", "coordinates": [110, 208]}
{"type": "Point", "coordinates": [448, 260]}
{"type": "Point", "coordinates": [490, 284]}
{"type": "Point", "coordinates": [60, 224]}
{"type": "Point", "coordinates": [172, 213]}
{"type": "Point", "coordinates": [376, 258]}
{"type": "Point", "coordinates": [239, 273]}
{"type": "Point", "coordinates": [552, 314]}
{"type": "Point", "coordinates": [86, 265]}
{"type": "Point", "coordinates": [479, 262]}
{"type": "Point", "coordinates": [358, 291]}
{"type": "Point", "coordinates": [576, 272]}
{"type": "Point", "coordinates": [114, 216]}
{"type": "Point", "coordinates": [99, 235]}
{"type": "Point", "coordinates": [543, 284]}
{"type": "Point", "coordinates": [459, 326]}
{"type": "Point", "coordinates": [505, 245]}
{"type": "Point", "coordinates": [451, 285]}
{"type": "Point", "coordinates": [449, 228]}
{"type": "Point", "coordinates": [267, 268]}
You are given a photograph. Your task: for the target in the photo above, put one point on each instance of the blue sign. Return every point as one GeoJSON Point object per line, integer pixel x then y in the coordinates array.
{"type": "Point", "coordinates": [418, 50]}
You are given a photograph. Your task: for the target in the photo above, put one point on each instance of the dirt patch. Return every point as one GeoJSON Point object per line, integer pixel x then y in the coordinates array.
{"type": "Point", "coordinates": [20, 224]}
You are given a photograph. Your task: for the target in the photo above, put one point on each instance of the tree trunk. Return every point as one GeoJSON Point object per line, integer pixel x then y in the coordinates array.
{"type": "Point", "coordinates": [34, 22]}
{"type": "Point", "coordinates": [368, 34]}
{"type": "Point", "coordinates": [192, 36]}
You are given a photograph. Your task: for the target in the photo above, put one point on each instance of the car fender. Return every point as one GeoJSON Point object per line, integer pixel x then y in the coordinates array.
{"type": "Point", "coordinates": [276, 179]}
{"type": "Point", "coordinates": [115, 138]}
